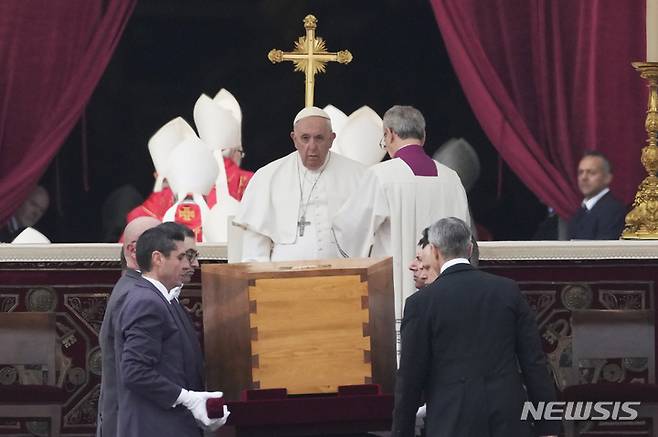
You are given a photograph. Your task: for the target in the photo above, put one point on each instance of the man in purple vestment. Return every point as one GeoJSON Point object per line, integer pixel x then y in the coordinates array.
{"type": "Point", "coordinates": [397, 199]}
{"type": "Point", "coordinates": [404, 136]}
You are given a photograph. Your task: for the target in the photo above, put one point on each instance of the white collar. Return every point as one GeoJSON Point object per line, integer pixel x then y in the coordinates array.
{"type": "Point", "coordinates": [453, 262]}
{"type": "Point", "coordinates": [161, 288]}
{"type": "Point", "coordinates": [589, 203]}
{"type": "Point", "coordinates": [175, 292]}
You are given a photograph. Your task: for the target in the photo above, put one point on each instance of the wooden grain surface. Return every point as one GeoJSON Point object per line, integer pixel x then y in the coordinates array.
{"type": "Point", "coordinates": [310, 333]}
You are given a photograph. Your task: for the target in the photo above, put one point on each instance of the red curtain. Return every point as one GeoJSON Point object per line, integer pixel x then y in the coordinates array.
{"type": "Point", "coordinates": [549, 79]}
{"type": "Point", "coordinates": [52, 54]}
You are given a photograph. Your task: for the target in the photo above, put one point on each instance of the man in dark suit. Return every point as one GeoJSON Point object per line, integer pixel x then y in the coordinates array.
{"type": "Point", "coordinates": [107, 403]}
{"type": "Point", "coordinates": [159, 375]}
{"type": "Point", "coordinates": [601, 216]}
{"type": "Point", "coordinates": [192, 256]}
{"type": "Point", "coordinates": [471, 348]}
{"type": "Point", "coordinates": [106, 423]}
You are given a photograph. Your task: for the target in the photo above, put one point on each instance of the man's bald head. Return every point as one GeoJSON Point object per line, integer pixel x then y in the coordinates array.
{"type": "Point", "coordinates": [130, 235]}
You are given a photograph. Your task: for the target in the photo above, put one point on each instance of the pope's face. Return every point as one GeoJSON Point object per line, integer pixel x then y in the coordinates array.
{"type": "Point", "coordinates": [313, 138]}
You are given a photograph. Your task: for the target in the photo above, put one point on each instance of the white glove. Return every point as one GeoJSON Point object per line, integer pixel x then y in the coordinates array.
{"type": "Point", "coordinates": [420, 418]}
{"type": "Point", "coordinates": [195, 401]}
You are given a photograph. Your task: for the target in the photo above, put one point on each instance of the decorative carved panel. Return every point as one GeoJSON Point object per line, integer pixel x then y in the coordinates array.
{"type": "Point", "coordinates": [77, 291]}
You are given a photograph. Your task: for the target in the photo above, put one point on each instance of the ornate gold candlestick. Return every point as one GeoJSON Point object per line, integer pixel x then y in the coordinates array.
{"type": "Point", "coordinates": [642, 221]}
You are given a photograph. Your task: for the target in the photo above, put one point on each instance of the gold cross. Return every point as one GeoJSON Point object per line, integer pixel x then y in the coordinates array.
{"type": "Point", "coordinates": [310, 56]}
{"type": "Point", "coordinates": [186, 213]}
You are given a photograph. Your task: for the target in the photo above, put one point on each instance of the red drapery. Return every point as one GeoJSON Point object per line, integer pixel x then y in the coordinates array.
{"type": "Point", "coordinates": [549, 79]}
{"type": "Point", "coordinates": [52, 54]}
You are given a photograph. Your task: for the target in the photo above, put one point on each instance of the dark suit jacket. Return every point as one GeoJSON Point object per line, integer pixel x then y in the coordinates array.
{"type": "Point", "coordinates": [469, 344]}
{"type": "Point", "coordinates": [603, 222]}
{"type": "Point", "coordinates": [106, 424]}
{"type": "Point", "coordinates": [155, 359]}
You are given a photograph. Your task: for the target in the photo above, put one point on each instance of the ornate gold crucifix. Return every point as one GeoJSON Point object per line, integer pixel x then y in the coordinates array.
{"type": "Point", "coordinates": [310, 56]}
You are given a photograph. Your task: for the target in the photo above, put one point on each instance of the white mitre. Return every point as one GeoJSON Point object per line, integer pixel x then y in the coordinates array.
{"type": "Point", "coordinates": [218, 127]}
{"type": "Point", "coordinates": [338, 118]}
{"type": "Point", "coordinates": [191, 169]}
{"type": "Point", "coordinates": [361, 110]}
{"type": "Point", "coordinates": [219, 123]}
{"type": "Point", "coordinates": [460, 156]}
{"type": "Point", "coordinates": [226, 100]}
{"type": "Point", "coordinates": [30, 236]}
{"type": "Point", "coordinates": [163, 142]}
{"type": "Point", "coordinates": [359, 139]}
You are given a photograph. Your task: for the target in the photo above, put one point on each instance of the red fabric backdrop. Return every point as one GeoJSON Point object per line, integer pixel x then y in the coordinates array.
{"type": "Point", "coordinates": [52, 54]}
{"type": "Point", "coordinates": [548, 79]}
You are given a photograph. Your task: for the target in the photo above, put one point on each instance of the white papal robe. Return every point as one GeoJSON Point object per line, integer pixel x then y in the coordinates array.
{"type": "Point", "coordinates": [386, 216]}
{"type": "Point", "coordinates": [272, 207]}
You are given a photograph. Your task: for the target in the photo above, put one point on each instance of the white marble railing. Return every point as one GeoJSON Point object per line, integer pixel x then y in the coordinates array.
{"type": "Point", "coordinates": [568, 250]}
{"type": "Point", "coordinates": [489, 251]}
{"type": "Point", "coordinates": [83, 252]}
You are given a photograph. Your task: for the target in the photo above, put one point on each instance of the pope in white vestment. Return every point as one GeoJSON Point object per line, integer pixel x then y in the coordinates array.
{"type": "Point", "coordinates": [287, 208]}
{"type": "Point", "coordinates": [397, 199]}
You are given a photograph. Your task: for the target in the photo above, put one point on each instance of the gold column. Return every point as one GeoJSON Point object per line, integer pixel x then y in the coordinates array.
{"type": "Point", "coordinates": [642, 221]}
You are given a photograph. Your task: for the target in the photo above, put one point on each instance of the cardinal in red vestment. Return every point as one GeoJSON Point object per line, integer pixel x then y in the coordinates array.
{"type": "Point", "coordinates": [159, 202]}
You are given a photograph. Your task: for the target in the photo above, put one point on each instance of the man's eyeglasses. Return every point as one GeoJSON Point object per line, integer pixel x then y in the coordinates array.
{"type": "Point", "coordinates": [192, 255]}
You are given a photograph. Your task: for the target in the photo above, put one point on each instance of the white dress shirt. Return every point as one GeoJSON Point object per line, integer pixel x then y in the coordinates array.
{"type": "Point", "coordinates": [161, 288]}
{"type": "Point", "coordinates": [589, 203]}
{"type": "Point", "coordinates": [453, 262]}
